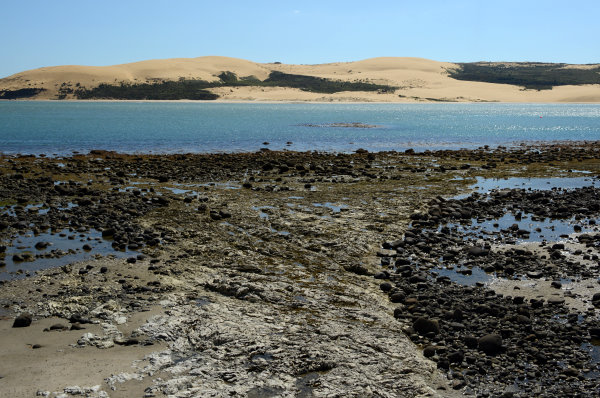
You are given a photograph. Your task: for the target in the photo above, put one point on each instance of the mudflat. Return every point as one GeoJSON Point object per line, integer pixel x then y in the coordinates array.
{"type": "Point", "coordinates": [299, 274]}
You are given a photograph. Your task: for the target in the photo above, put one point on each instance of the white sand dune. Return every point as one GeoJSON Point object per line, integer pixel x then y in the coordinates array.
{"type": "Point", "coordinates": [419, 80]}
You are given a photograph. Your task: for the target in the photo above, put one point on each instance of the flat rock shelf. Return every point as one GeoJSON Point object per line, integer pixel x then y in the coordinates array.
{"type": "Point", "coordinates": [301, 274]}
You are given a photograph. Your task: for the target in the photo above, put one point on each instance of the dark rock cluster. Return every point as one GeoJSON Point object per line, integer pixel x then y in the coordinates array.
{"type": "Point", "coordinates": [488, 343]}
{"type": "Point", "coordinates": [73, 208]}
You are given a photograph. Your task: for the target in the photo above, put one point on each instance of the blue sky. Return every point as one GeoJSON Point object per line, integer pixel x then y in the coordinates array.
{"type": "Point", "coordinates": [38, 33]}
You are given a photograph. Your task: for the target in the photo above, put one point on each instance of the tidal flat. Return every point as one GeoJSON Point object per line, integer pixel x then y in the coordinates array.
{"type": "Point", "coordinates": [302, 274]}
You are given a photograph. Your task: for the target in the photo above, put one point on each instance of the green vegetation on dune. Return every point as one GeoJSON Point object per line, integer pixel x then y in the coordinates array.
{"type": "Point", "coordinates": [21, 93]}
{"type": "Point", "coordinates": [537, 76]}
{"type": "Point", "coordinates": [321, 85]}
{"type": "Point", "coordinates": [197, 89]}
{"type": "Point", "coordinates": [167, 90]}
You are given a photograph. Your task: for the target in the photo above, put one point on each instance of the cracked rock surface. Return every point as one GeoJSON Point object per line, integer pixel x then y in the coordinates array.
{"type": "Point", "coordinates": [226, 275]}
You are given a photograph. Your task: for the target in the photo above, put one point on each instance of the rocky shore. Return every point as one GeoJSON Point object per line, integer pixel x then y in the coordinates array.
{"type": "Point", "coordinates": [300, 274]}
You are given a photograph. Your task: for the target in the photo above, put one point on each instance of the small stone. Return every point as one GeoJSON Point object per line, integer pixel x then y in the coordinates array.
{"type": "Point", "coordinates": [456, 357]}
{"type": "Point", "coordinates": [41, 245]}
{"type": "Point", "coordinates": [470, 341]}
{"type": "Point", "coordinates": [76, 326]}
{"type": "Point", "coordinates": [385, 286]}
{"type": "Point", "coordinates": [535, 274]}
{"type": "Point", "coordinates": [58, 326]}
{"type": "Point", "coordinates": [382, 275]}
{"type": "Point", "coordinates": [397, 297]}
{"type": "Point", "coordinates": [477, 251]}
{"type": "Point", "coordinates": [556, 300]}
{"type": "Point", "coordinates": [556, 284]}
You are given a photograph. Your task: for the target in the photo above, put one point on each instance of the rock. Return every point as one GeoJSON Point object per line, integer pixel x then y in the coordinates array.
{"type": "Point", "coordinates": [76, 318]}
{"type": "Point", "coordinates": [41, 245]}
{"type": "Point", "coordinates": [22, 321]}
{"type": "Point", "coordinates": [108, 232]}
{"type": "Point", "coordinates": [457, 384]}
{"type": "Point", "coordinates": [382, 275]}
{"type": "Point", "coordinates": [477, 251]}
{"type": "Point", "coordinates": [76, 326]}
{"type": "Point", "coordinates": [214, 215]}
{"type": "Point", "coordinates": [397, 297]}
{"type": "Point", "coordinates": [491, 344]}
{"type": "Point", "coordinates": [522, 319]}
{"type": "Point", "coordinates": [457, 315]}
{"type": "Point", "coordinates": [572, 372]}
{"type": "Point", "coordinates": [470, 341]}
{"type": "Point", "coordinates": [127, 342]}
{"type": "Point", "coordinates": [385, 253]}
{"type": "Point", "coordinates": [456, 357]}
{"type": "Point", "coordinates": [556, 301]}
{"type": "Point", "coordinates": [424, 325]}
{"type": "Point", "coordinates": [535, 274]}
{"type": "Point", "coordinates": [357, 269]}
{"type": "Point", "coordinates": [385, 286]}
{"type": "Point", "coordinates": [429, 351]}
{"type": "Point", "coordinates": [556, 284]}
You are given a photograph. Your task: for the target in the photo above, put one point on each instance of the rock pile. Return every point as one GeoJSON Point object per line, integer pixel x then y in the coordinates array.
{"type": "Point", "coordinates": [490, 343]}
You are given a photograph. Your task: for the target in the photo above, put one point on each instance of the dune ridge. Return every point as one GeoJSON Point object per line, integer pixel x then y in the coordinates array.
{"type": "Point", "coordinates": [417, 79]}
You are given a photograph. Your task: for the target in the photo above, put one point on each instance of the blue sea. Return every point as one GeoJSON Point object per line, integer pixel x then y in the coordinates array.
{"type": "Point", "coordinates": [61, 128]}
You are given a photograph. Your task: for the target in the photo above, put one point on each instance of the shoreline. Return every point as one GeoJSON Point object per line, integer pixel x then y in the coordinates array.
{"type": "Point", "coordinates": [276, 259]}
{"type": "Point", "coordinates": [419, 150]}
{"type": "Point", "coordinates": [257, 101]}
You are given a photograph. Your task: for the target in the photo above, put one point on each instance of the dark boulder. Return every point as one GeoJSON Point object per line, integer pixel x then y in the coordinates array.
{"type": "Point", "coordinates": [476, 251]}
{"type": "Point", "coordinates": [424, 325]}
{"type": "Point", "coordinates": [491, 344]}
{"type": "Point", "coordinates": [429, 351]}
{"type": "Point", "coordinates": [22, 321]}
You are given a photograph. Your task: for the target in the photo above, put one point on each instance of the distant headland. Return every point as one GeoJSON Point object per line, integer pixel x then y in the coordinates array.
{"type": "Point", "coordinates": [386, 79]}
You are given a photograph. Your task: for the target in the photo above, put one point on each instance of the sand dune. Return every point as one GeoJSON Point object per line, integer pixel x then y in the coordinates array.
{"type": "Point", "coordinates": [419, 80]}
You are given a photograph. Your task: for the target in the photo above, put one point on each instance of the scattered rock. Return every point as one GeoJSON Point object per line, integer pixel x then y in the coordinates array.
{"type": "Point", "coordinates": [22, 321]}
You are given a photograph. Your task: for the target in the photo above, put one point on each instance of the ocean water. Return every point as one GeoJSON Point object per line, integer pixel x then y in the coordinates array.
{"type": "Point", "coordinates": [60, 128]}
